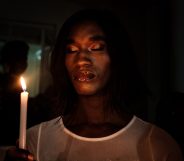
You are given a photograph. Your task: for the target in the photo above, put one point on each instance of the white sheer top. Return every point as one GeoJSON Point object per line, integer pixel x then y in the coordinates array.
{"type": "Point", "coordinates": [138, 141]}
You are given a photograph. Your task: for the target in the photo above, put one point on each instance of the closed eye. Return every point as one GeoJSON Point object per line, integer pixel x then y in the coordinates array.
{"type": "Point", "coordinates": [97, 47]}
{"type": "Point", "coordinates": [71, 49]}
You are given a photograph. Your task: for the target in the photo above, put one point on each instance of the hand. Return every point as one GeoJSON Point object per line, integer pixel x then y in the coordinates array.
{"type": "Point", "coordinates": [16, 154]}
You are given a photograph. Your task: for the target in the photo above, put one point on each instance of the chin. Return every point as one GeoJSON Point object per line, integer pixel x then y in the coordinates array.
{"type": "Point", "coordinates": [87, 91]}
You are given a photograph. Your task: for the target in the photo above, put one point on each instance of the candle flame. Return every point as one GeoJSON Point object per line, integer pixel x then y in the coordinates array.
{"type": "Point", "coordinates": [23, 83]}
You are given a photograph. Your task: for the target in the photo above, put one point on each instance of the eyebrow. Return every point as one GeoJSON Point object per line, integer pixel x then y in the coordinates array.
{"type": "Point", "coordinates": [92, 38]}
{"type": "Point", "coordinates": [97, 38]}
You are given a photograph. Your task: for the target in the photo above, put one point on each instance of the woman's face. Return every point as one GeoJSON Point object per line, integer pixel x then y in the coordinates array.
{"type": "Point", "coordinates": [87, 60]}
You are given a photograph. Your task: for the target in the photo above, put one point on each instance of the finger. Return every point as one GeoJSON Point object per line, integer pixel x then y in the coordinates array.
{"type": "Point", "coordinates": [25, 154]}
{"type": "Point", "coordinates": [30, 157]}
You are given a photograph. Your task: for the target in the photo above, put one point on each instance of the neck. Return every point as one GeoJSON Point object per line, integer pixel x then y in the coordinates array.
{"type": "Point", "coordinates": [91, 109]}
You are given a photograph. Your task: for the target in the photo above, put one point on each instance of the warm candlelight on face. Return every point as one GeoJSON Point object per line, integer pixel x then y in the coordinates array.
{"type": "Point", "coordinates": [23, 115]}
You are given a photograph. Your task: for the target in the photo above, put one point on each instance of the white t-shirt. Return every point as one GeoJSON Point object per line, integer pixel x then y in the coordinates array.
{"type": "Point", "coordinates": [138, 141]}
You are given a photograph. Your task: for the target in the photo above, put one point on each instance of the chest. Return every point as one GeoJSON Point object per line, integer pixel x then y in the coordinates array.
{"type": "Point", "coordinates": [110, 148]}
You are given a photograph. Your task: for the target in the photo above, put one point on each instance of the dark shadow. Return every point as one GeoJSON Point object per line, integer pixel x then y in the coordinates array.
{"type": "Point", "coordinates": [13, 60]}
{"type": "Point", "coordinates": [170, 112]}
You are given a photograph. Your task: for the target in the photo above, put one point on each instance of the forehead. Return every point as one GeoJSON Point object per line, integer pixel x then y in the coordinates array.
{"type": "Point", "coordinates": [86, 30]}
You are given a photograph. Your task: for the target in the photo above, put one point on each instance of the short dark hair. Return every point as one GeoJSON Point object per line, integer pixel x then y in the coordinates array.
{"type": "Point", "coordinates": [126, 84]}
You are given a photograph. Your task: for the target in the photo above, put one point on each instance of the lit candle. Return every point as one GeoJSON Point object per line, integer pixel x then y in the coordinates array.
{"type": "Point", "coordinates": [23, 115]}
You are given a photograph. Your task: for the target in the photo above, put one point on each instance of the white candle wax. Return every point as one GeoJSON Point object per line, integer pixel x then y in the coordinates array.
{"type": "Point", "coordinates": [23, 118]}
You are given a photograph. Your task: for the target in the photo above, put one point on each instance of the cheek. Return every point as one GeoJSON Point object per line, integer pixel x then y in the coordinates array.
{"type": "Point", "coordinates": [106, 72]}
{"type": "Point", "coordinates": [68, 66]}
{"type": "Point", "coordinates": [105, 68]}
{"type": "Point", "coordinates": [68, 63]}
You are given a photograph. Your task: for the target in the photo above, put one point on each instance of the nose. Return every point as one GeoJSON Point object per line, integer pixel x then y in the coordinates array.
{"type": "Point", "coordinates": [84, 58]}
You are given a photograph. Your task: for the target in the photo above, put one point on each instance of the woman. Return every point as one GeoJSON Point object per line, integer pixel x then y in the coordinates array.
{"type": "Point", "coordinates": [96, 84]}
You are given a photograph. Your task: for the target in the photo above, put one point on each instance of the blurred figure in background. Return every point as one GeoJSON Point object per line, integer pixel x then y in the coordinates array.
{"type": "Point", "coordinates": [13, 60]}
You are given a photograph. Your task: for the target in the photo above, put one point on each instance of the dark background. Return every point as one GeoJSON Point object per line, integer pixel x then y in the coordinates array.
{"type": "Point", "coordinates": [156, 31]}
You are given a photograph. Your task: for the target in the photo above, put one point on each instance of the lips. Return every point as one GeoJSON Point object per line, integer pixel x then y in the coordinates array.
{"type": "Point", "coordinates": [84, 75]}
